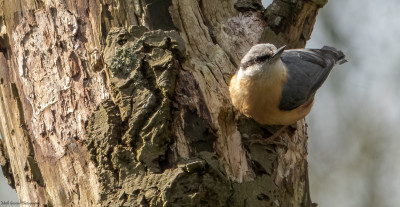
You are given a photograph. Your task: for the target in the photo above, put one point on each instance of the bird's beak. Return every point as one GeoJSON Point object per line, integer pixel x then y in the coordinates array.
{"type": "Point", "coordinates": [278, 53]}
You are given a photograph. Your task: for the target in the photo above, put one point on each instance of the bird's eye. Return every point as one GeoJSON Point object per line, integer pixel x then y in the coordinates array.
{"type": "Point", "coordinates": [262, 57]}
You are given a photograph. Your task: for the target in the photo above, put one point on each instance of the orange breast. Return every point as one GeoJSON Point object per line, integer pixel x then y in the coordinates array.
{"type": "Point", "coordinates": [259, 99]}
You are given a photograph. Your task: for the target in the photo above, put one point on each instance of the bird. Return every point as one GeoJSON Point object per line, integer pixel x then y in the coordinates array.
{"type": "Point", "coordinates": [277, 86]}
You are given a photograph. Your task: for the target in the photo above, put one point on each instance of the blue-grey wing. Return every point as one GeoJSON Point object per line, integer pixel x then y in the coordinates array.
{"type": "Point", "coordinates": [307, 71]}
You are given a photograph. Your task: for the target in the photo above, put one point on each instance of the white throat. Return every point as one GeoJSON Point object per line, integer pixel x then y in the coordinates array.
{"type": "Point", "coordinates": [266, 70]}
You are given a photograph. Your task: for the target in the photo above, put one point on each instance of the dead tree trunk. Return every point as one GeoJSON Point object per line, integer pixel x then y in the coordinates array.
{"type": "Point", "coordinates": [125, 103]}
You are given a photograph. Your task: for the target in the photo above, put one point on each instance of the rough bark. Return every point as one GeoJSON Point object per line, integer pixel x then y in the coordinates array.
{"type": "Point", "coordinates": [125, 103]}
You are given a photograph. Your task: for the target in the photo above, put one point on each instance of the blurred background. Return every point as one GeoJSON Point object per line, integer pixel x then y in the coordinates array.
{"type": "Point", "coordinates": [6, 192]}
{"type": "Point", "coordinates": [354, 127]}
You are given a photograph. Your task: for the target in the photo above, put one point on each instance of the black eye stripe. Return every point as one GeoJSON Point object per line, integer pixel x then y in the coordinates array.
{"type": "Point", "coordinates": [262, 57]}
{"type": "Point", "coordinates": [255, 60]}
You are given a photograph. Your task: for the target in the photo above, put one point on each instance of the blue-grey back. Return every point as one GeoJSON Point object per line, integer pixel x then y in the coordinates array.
{"type": "Point", "coordinates": [307, 71]}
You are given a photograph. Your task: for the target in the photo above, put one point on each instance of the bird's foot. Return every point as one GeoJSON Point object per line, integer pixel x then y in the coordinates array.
{"type": "Point", "coordinates": [274, 139]}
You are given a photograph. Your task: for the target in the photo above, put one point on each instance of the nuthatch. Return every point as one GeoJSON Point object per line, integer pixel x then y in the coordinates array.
{"type": "Point", "coordinates": [277, 86]}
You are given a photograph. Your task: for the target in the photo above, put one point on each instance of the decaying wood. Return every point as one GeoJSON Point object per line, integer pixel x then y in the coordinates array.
{"type": "Point", "coordinates": [126, 103]}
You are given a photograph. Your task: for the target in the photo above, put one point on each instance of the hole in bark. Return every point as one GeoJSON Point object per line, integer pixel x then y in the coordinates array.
{"type": "Point", "coordinates": [136, 192]}
{"type": "Point", "coordinates": [53, 12]}
{"type": "Point", "coordinates": [122, 38]}
{"type": "Point", "coordinates": [263, 196]}
{"type": "Point", "coordinates": [166, 162]}
{"type": "Point", "coordinates": [198, 131]}
{"type": "Point", "coordinates": [73, 60]}
{"type": "Point", "coordinates": [62, 46]}
{"type": "Point", "coordinates": [258, 169]}
{"type": "Point", "coordinates": [122, 41]}
{"type": "Point", "coordinates": [60, 68]}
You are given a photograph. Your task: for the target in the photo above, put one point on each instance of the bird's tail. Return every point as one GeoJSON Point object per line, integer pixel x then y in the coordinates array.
{"type": "Point", "coordinates": [341, 58]}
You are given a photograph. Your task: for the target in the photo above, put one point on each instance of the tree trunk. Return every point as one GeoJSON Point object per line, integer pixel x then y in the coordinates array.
{"type": "Point", "coordinates": [126, 103]}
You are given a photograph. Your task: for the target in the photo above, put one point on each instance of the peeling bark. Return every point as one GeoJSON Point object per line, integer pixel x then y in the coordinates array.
{"type": "Point", "coordinates": [126, 103]}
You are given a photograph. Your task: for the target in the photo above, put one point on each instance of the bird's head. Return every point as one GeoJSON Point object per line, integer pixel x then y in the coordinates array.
{"type": "Point", "coordinates": [259, 59]}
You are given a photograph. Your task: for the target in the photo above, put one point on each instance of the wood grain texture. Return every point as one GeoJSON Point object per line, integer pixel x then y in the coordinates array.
{"type": "Point", "coordinates": [109, 103]}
